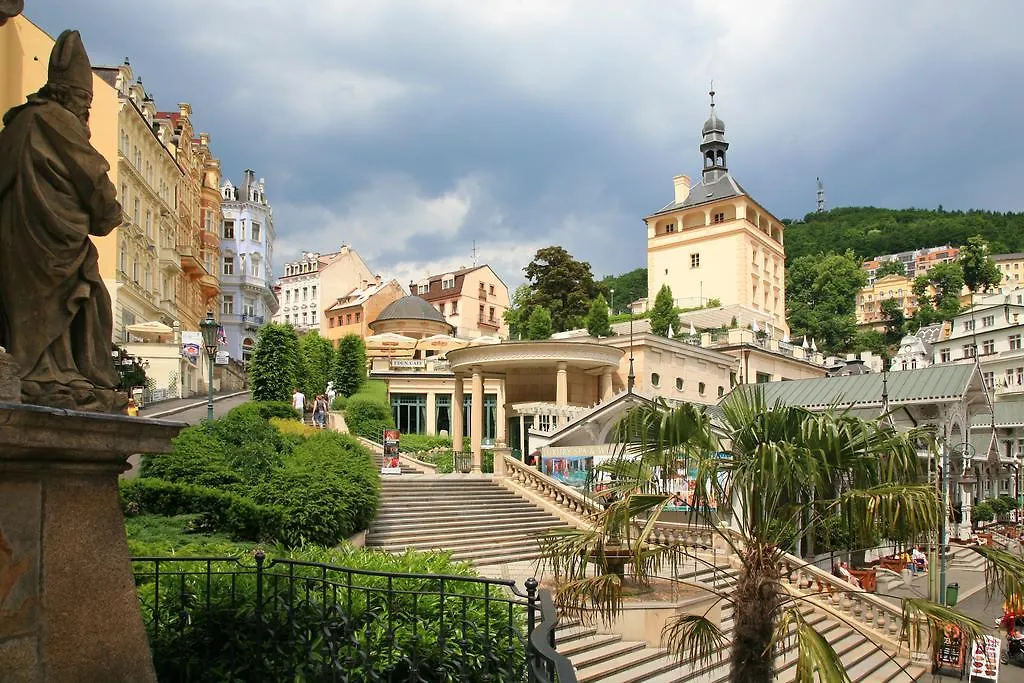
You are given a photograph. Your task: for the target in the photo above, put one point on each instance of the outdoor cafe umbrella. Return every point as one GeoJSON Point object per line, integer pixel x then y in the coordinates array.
{"type": "Point", "coordinates": [390, 345]}
{"type": "Point", "coordinates": [442, 343]}
{"type": "Point", "coordinates": [153, 330]}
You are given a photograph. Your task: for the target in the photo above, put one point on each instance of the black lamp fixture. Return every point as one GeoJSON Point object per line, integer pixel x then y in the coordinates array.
{"type": "Point", "coordinates": [210, 328]}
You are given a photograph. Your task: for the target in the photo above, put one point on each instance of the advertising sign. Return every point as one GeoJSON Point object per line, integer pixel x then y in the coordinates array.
{"type": "Point", "coordinates": [984, 662]}
{"type": "Point", "coordinates": [191, 345]}
{"type": "Point", "coordinates": [223, 358]}
{"type": "Point", "coordinates": [950, 651]}
{"type": "Point", "coordinates": [390, 441]}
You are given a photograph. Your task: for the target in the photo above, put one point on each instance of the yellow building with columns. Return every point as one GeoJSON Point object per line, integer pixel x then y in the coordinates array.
{"type": "Point", "coordinates": [714, 241]}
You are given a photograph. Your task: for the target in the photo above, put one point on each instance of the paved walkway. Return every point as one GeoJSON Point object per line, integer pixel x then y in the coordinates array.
{"type": "Point", "coordinates": [177, 405]}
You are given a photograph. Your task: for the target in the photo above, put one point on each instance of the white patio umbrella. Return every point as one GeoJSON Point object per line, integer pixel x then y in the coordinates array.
{"type": "Point", "coordinates": [390, 345]}
{"type": "Point", "coordinates": [153, 330]}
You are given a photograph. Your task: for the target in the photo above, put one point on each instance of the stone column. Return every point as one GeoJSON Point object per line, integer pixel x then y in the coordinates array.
{"type": "Point", "coordinates": [561, 384]}
{"type": "Point", "coordinates": [458, 398]}
{"type": "Point", "coordinates": [68, 606]}
{"type": "Point", "coordinates": [967, 496]}
{"type": "Point", "coordinates": [606, 384]}
{"type": "Point", "coordinates": [500, 419]}
{"type": "Point", "coordinates": [476, 430]}
{"type": "Point", "coordinates": [499, 459]}
{"type": "Point", "coordinates": [431, 413]}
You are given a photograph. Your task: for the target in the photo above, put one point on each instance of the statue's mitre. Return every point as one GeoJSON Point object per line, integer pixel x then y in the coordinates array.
{"type": "Point", "coordinates": [69, 63]}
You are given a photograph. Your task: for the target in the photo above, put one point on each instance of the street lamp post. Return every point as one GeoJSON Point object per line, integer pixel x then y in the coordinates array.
{"type": "Point", "coordinates": [209, 327]}
{"type": "Point", "coordinates": [613, 300]}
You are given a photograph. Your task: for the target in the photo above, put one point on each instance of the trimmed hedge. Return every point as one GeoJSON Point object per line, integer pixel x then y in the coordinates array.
{"type": "Point", "coordinates": [368, 418]}
{"type": "Point", "coordinates": [243, 519]}
{"type": "Point", "coordinates": [254, 481]}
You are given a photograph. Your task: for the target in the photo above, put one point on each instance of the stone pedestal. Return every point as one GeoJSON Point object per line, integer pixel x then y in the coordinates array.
{"type": "Point", "coordinates": [68, 606]}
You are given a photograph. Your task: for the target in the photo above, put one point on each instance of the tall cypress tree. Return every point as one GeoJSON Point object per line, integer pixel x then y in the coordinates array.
{"type": "Point", "coordinates": [349, 365]}
{"type": "Point", "coordinates": [664, 313]}
{"type": "Point", "coordinates": [597, 319]}
{"type": "Point", "coordinates": [275, 366]}
{"type": "Point", "coordinates": [317, 362]}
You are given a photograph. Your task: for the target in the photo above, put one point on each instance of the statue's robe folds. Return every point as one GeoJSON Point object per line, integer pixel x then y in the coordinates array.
{"type": "Point", "coordinates": [55, 317]}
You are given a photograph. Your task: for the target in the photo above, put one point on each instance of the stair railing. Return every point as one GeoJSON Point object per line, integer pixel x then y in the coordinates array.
{"type": "Point", "coordinates": [553, 490]}
{"type": "Point", "coordinates": [545, 664]}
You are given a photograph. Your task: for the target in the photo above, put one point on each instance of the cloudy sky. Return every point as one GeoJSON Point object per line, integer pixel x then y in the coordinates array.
{"type": "Point", "coordinates": [411, 129]}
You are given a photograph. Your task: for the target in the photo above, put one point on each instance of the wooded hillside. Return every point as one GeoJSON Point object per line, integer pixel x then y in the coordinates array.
{"type": "Point", "coordinates": [870, 232]}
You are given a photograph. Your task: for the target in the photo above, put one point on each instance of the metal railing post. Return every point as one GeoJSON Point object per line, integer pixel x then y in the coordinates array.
{"type": "Point", "coordinates": [531, 623]}
{"type": "Point", "coordinates": [260, 556]}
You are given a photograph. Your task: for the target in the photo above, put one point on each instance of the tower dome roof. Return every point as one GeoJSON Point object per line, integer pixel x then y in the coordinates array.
{"type": "Point", "coordinates": [411, 307]}
{"type": "Point", "coordinates": [713, 124]}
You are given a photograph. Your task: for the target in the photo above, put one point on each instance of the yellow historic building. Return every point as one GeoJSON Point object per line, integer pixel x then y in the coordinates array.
{"type": "Point", "coordinates": [870, 298]}
{"type": "Point", "coordinates": [148, 177]}
{"type": "Point", "coordinates": [714, 241]}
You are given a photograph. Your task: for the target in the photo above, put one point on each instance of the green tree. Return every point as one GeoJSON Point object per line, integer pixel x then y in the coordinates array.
{"type": "Point", "coordinates": [539, 325]}
{"type": "Point", "coordinates": [628, 288]}
{"type": "Point", "coordinates": [891, 268]}
{"type": "Point", "coordinates": [597, 319]}
{"type": "Point", "coordinates": [663, 313]}
{"type": "Point", "coordinates": [275, 367]}
{"type": "Point", "coordinates": [349, 371]}
{"type": "Point", "coordinates": [821, 294]}
{"type": "Point", "coordinates": [784, 468]}
{"type": "Point", "coordinates": [869, 340]}
{"type": "Point", "coordinates": [980, 272]}
{"type": "Point", "coordinates": [517, 315]}
{"type": "Point", "coordinates": [895, 320]}
{"type": "Point", "coordinates": [938, 293]}
{"type": "Point", "coordinates": [561, 284]}
{"type": "Point", "coordinates": [317, 356]}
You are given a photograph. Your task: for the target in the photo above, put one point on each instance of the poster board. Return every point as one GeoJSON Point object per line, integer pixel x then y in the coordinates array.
{"type": "Point", "coordinates": [983, 665]}
{"type": "Point", "coordinates": [950, 652]}
{"type": "Point", "coordinates": [391, 463]}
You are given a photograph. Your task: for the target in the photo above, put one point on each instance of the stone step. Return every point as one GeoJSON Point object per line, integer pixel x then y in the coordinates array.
{"type": "Point", "coordinates": [664, 669]}
{"type": "Point", "coordinates": [460, 543]}
{"type": "Point", "coordinates": [596, 649]}
{"type": "Point", "coordinates": [440, 530]}
{"type": "Point", "coordinates": [456, 523]}
{"type": "Point", "coordinates": [441, 509]}
{"type": "Point", "coordinates": [600, 671]}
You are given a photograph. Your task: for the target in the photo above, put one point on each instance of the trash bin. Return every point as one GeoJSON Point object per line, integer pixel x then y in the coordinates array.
{"type": "Point", "coordinates": [952, 593]}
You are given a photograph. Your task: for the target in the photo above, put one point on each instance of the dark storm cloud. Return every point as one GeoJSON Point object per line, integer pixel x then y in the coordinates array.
{"type": "Point", "coordinates": [409, 130]}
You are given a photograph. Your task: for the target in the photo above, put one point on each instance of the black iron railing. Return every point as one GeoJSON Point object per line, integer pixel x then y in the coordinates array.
{"type": "Point", "coordinates": [225, 619]}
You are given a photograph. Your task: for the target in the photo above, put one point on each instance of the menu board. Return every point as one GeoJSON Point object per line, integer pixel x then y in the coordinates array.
{"type": "Point", "coordinates": [984, 662]}
{"type": "Point", "coordinates": [950, 650]}
{"type": "Point", "coordinates": [391, 462]}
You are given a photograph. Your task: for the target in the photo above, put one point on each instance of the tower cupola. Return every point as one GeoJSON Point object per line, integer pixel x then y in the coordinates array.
{"type": "Point", "coordinates": [714, 145]}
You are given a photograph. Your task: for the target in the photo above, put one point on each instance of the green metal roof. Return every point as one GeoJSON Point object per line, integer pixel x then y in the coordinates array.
{"type": "Point", "coordinates": [1008, 414]}
{"type": "Point", "coordinates": [938, 383]}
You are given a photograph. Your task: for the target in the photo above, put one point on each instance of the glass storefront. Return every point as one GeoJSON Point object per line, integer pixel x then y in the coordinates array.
{"type": "Point", "coordinates": [443, 413]}
{"type": "Point", "coordinates": [410, 412]}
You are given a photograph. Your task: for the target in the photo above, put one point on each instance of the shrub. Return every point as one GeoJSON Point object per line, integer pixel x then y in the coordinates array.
{"type": "Point", "coordinates": [339, 402]}
{"type": "Point", "coordinates": [307, 632]}
{"type": "Point", "coordinates": [999, 506]}
{"type": "Point", "coordinates": [269, 409]}
{"type": "Point", "coordinates": [368, 418]}
{"type": "Point", "coordinates": [292, 428]}
{"type": "Point", "coordinates": [982, 512]}
{"type": "Point", "coordinates": [328, 489]}
{"type": "Point", "coordinates": [219, 510]}
{"type": "Point", "coordinates": [274, 370]}
{"type": "Point", "coordinates": [160, 536]}
{"type": "Point", "coordinates": [197, 456]}
{"type": "Point", "coordinates": [419, 443]}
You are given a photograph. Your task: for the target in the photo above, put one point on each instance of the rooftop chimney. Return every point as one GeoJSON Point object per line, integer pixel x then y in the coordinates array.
{"type": "Point", "coordinates": [682, 186]}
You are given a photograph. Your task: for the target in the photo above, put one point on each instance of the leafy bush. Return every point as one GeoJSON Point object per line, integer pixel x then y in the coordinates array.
{"type": "Point", "coordinates": [269, 409]}
{"type": "Point", "coordinates": [180, 535]}
{"type": "Point", "coordinates": [309, 633]}
{"type": "Point", "coordinates": [292, 428]}
{"type": "Point", "coordinates": [329, 490]}
{"type": "Point", "coordinates": [368, 418]}
{"type": "Point", "coordinates": [197, 456]}
{"type": "Point", "coordinates": [420, 443]}
{"type": "Point", "coordinates": [339, 402]}
{"type": "Point", "coordinates": [983, 512]}
{"type": "Point", "coordinates": [999, 506]}
{"type": "Point", "coordinates": [230, 513]}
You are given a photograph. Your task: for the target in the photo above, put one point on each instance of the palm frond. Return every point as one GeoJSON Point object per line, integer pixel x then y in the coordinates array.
{"type": "Point", "coordinates": [923, 619]}
{"type": "Point", "coordinates": [897, 507]}
{"type": "Point", "coordinates": [566, 551]}
{"type": "Point", "coordinates": [1004, 572]}
{"type": "Point", "coordinates": [694, 637]}
{"type": "Point", "coordinates": [817, 661]}
{"type": "Point", "coordinates": [590, 598]}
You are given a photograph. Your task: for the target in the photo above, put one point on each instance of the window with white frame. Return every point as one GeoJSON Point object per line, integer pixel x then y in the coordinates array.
{"type": "Point", "coordinates": [448, 282]}
{"type": "Point", "coordinates": [989, 379]}
{"type": "Point", "coordinates": [229, 265]}
{"type": "Point", "coordinates": [255, 261]}
{"type": "Point", "coordinates": [256, 232]}
{"type": "Point", "coordinates": [249, 306]}
{"type": "Point", "coordinates": [227, 304]}
{"type": "Point", "coordinates": [422, 288]}
{"type": "Point", "coordinates": [988, 347]}
{"type": "Point", "coordinates": [944, 355]}
{"type": "Point", "coordinates": [968, 325]}
{"type": "Point", "coordinates": [229, 230]}
{"type": "Point", "coordinates": [1014, 340]}
{"type": "Point", "coordinates": [968, 350]}
{"type": "Point", "coordinates": [988, 321]}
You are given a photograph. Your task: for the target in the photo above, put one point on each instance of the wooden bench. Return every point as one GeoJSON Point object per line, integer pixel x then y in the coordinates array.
{"type": "Point", "coordinates": [867, 578]}
{"type": "Point", "coordinates": [893, 564]}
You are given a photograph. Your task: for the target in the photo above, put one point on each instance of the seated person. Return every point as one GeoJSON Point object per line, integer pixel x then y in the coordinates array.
{"type": "Point", "coordinates": [908, 562]}
{"type": "Point", "coordinates": [844, 573]}
{"type": "Point", "coordinates": [920, 560]}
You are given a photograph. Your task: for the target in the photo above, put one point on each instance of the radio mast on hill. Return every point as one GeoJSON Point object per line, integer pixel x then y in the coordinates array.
{"type": "Point", "coordinates": [821, 196]}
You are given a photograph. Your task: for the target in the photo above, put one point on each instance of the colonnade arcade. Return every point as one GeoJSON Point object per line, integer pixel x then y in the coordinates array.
{"type": "Point", "coordinates": [567, 376]}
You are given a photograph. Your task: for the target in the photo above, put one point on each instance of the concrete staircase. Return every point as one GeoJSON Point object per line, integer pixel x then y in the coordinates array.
{"type": "Point", "coordinates": [612, 659]}
{"type": "Point", "coordinates": [472, 517]}
{"type": "Point", "coordinates": [378, 459]}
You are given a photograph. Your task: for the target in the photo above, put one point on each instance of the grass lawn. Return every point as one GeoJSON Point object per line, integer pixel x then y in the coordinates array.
{"type": "Point", "coordinates": [164, 536]}
{"type": "Point", "coordinates": [374, 390]}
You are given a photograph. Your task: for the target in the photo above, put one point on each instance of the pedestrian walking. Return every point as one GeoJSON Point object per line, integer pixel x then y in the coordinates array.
{"type": "Point", "coordinates": [320, 412]}
{"type": "Point", "coordinates": [299, 403]}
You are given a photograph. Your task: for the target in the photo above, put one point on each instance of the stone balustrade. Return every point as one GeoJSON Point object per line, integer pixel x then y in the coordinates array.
{"type": "Point", "coordinates": [695, 536]}
{"type": "Point", "coordinates": [554, 491]}
{"type": "Point", "coordinates": [853, 604]}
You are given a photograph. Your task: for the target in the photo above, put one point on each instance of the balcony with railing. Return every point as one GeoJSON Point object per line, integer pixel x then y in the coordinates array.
{"type": "Point", "coordinates": [489, 322]}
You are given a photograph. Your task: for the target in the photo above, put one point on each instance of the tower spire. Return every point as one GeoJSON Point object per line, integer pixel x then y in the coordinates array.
{"type": "Point", "coordinates": [821, 196]}
{"type": "Point", "coordinates": [714, 145]}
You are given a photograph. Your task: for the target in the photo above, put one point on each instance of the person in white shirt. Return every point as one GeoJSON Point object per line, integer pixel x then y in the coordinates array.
{"type": "Point", "coordinates": [919, 559]}
{"type": "Point", "coordinates": [298, 401]}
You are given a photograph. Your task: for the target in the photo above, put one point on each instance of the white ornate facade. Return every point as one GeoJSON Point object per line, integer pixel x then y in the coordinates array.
{"type": "Point", "coordinates": [246, 267]}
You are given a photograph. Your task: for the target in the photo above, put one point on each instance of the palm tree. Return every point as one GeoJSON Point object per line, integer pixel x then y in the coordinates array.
{"type": "Point", "coordinates": [782, 470]}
